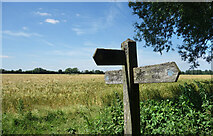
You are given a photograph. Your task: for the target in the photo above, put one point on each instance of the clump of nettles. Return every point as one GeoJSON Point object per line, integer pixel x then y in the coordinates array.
{"type": "Point", "coordinates": [189, 113]}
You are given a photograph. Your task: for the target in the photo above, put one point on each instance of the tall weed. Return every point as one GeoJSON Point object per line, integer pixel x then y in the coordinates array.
{"type": "Point", "coordinates": [188, 114]}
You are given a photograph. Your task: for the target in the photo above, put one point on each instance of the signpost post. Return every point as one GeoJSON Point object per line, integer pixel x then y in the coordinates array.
{"type": "Point", "coordinates": [130, 76]}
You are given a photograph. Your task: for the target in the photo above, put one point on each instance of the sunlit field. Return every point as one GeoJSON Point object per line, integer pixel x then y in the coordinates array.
{"type": "Point", "coordinates": [68, 91]}
{"type": "Point", "coordinates": [54, 91]}
{"type": "Point", "coordinates": [196, 77]}
{"type": "Point", "coordinates": [73, 94]}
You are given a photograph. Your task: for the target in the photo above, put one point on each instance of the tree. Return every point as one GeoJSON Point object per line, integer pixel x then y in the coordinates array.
{"type": "Point", "coordinates": [99, 72]}
{"type": "Point", "coordinates": [72, 71]}
{"type": "Point", "coordinates": [86, 72]}
{"type": "Point", "coordinates": [39, 71]}
{"type": "Point", "coordinates": [60, 71]}
{"type": "Point", "coordinates": [2, 70]}
{"type": "Point", "coordinates": [159, 22]}
{"type": "Point", "coordinates": [19, 71]}
{"type": "Point", "coordinates": [68, 71]}
{"type": "Point", "coordinates": [75, 71]}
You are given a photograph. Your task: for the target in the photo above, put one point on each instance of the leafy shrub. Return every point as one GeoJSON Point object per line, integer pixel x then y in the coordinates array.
{"type": "Point", "coordinates": [188, 114]}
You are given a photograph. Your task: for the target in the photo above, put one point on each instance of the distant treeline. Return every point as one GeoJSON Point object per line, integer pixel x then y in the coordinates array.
{"type": "Point", "coordinates": [76, 71]}
{"type": "Point", "coordinates": [44, 71]}
{"type": "Point", "coordinates": [197, 72]}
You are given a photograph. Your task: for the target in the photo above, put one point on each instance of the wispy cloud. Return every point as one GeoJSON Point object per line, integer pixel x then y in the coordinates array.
{"type": "Point", "coordinates": [21, 34]}
{"type": "Point", "coordinates": [91, 25]}
{"type": "Point", "coordinates": [111, 14]}
{"type": "Point", "coordinates": [42, 13]}
{"type": "Point", "coordinates": [110, 17]}
{"type": "Point", "coordinates": [4, 56]}
{"type": "Point", "coordinates": [78, 31]}
{"type": "Point", "coordinates": [48, 43]}
{"type": "Point", "coordinates": [87, 27]}
{"type": "Point", "coordinates": [52, 21]}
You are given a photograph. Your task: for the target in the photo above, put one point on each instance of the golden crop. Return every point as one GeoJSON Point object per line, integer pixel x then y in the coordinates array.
{"type": "Point", "coordinates": [43, 91]}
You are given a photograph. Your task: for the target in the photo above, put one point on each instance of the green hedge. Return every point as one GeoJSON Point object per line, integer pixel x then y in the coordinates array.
{"type": "Point", "coordinates": [190, 113]}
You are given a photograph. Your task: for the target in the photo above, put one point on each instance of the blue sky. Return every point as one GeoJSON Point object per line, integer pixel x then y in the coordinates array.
{"type": "Point", "coordinates": [61, 35]}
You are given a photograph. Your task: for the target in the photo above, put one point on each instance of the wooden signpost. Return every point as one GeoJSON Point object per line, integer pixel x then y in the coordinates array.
{"type": "Point", "coordinates": [161, 73]}
{"type": "Point", "coordinates": [130, 76]}
{"type": "Point", "coordinates": [109, 57]}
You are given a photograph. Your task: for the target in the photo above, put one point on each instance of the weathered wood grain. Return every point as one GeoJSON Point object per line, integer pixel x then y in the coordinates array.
{"type": "Point", "coordinates": [113, 77]}
{"type": "Point", "coordinates": [160, 73]}
{"type": "Point", "coordinates": [130, 90]}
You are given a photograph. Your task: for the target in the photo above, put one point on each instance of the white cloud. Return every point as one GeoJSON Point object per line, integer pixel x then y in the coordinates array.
{"type": "Point", "coordinates": [21, 34]}
{"type": "Point", "coordinates": [43, 14]}
{"type": "Point", "coordinates": [88, 27]}
{"type": "Point", "coordinates": [4, 56]}
{"type": "Point", "coordinates": [48, 43]}
{"type": "Point", "coordinates": [111, 15]}
{"type": "Point", "coordinates": [91, 25]}
{"type": "Point", "coordinates": [52, 21]}
{"type": "Point", "coordinates": [78, 31]}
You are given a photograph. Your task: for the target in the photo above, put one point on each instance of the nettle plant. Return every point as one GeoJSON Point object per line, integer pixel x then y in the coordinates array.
{"type": "Point", "coordinates": [189, 113]}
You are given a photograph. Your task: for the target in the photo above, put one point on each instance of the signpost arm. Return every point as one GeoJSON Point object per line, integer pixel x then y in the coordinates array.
{"type": "Point", "coordinates": [130, 90]}
{"type": "Point", "coordinates": [166, 72]}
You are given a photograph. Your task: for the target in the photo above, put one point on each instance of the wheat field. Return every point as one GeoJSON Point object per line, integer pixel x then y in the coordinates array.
{"type": "Point", "coordinates": [62, 104]}
{"type": "Point", "coordinates": [195, 77]}
{"type": "Point", "coordinates": [40, 91]}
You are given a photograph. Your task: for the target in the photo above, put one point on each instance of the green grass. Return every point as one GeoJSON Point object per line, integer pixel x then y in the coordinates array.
{"type": "Point", "coordinates": [82, 104]}
{"type": "Point", "coordinates": [188, 114]}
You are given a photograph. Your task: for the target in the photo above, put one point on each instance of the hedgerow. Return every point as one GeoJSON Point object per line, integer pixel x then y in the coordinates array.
{"type": "Point", "coordinates": [188, 114]}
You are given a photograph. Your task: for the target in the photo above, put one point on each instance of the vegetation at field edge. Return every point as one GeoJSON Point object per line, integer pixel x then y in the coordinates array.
{"type": "Point", "coordinates": [83, 104]}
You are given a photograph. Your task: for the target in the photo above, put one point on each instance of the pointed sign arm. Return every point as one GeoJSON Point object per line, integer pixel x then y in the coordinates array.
{"type": "Point", "coordinates": [160, 73]}
{"type": "Point", "coordinates": [109, 57]}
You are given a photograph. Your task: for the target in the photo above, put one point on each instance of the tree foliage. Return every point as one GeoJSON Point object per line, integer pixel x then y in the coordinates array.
{"type": "Point", "coordinates": [39, 71]}
{"type": "Point", "coordinates": [197, 72]}
{"type": "Point", "coordinates": [44, 71]}
{"type": "Point", "coordinates": [72, 71]}
{"type": "Point", "coordinates": [193, 22]}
